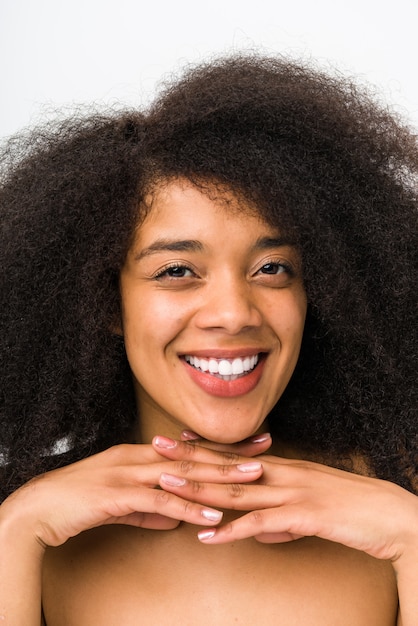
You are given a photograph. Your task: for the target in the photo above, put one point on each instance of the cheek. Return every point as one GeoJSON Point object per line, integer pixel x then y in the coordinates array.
{"type": "Point", "coordinates": [289, 315]}
{"type": "Point", "coordinates": [150, 323]}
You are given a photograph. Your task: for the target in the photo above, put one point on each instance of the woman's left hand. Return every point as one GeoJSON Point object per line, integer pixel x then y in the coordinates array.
{"type": "Point", "coordinates": [289, 499]}
{"type": "Point", "coordinates": [293, 499]}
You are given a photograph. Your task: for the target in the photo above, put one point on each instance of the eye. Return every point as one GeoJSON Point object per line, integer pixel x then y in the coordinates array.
{"type": "Point", "coordinates": [274, 268]}
{"type": "Point", "coordinates": [173, 272]}
{"type": "Point", "coordinates": [275, 273]}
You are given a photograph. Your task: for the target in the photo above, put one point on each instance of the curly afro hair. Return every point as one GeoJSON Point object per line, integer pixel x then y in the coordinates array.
{"type": "Point", "coordinates": [317, 157]}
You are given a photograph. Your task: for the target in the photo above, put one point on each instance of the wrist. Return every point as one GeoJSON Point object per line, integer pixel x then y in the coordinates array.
{"type": "Point", "coordinates": [18, 531]}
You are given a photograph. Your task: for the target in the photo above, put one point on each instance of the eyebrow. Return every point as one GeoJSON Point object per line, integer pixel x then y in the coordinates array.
{"type": "Point", "coordinates": [171, 245]}
{"type": "Point", "coordinates": [192, 245]}
{"type": "Point", "coordinates": [264, 243]}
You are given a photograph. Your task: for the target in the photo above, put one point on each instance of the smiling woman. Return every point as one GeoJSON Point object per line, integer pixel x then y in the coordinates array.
{"type": "Point", "coordinates": [213, 303]}
{"type": "Point", "coordinates": [228, 291]}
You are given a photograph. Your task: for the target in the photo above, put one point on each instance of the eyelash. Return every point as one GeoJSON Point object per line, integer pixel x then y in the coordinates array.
{"type": "Point", "coordinates": [165, 271]}
{"type": "Point", "coordinates": [286, 267]}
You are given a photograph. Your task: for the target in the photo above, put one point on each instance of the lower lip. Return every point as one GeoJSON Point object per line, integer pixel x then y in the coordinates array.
{"type": "Point", "coordinates": [226, 388]}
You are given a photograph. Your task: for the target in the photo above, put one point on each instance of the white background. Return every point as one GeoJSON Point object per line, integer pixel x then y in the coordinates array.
{"type": "Point", "coordinates": [57, 53]}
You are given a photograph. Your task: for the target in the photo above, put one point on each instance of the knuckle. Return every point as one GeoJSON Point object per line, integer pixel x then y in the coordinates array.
{"type": "Point", "coordinates": [190, 447]}
{"type": "Point", "coordinates": [236, 490]}
{"type": "Point", "coordinates": [185, 467]}
{"type": "Point", "coordinates": [224, 470]}
{"type": "Point", "coordinates": [117, 454]}
{"type": "Point", "coordinates": [229, 457]}
{"type": "Point", "coordinates": [161, 498]}
{"type": "Point", "coordinates": [196, 487]}
{"type": "Point", "coordinates": [188, 507]}
{"type": "Point", "coordinates": [256, 518]}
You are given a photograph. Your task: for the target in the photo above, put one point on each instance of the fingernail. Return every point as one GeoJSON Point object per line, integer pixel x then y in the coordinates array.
{"type": "Point", "coordinates": [211, 515]}
{"type": "Point", "coordinates": [189, 435]}
{"type": "Point", "coordinates": [260, 438]}
{"type": "Point", "coordinates": [164, 442]}
{"type": "Point", "coordinates": [173, 481]}
{"type": "Point", "coordinates": [252, 466]}
{"type": "Point", "coordinates": [206, 535]}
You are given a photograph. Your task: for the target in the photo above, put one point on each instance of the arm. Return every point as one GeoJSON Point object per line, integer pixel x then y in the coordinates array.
{"type": "Point", "coordinates": [20, 572]}
{"type": "Point", "coordinates": [406, 570]}
{"type": "Point", "coordinates": [116, 486]}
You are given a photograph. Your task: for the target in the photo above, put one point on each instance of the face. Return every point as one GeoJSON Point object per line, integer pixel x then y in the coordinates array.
{"type": "Point", "coordinates": [213, 309]}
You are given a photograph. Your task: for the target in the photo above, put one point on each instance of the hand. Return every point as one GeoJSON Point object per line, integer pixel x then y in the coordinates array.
{"type": "Point", "coordinates": [115, 486]}
{"type": "Point", "coordinates": [292, 499]}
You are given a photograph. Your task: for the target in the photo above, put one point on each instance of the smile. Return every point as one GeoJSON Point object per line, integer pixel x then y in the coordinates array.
{"type": "Point", "coordinates": [225, 369]}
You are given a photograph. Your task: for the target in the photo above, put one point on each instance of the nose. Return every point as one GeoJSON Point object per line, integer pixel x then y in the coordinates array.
{"type": "Point", "coordinates": [229, 306]}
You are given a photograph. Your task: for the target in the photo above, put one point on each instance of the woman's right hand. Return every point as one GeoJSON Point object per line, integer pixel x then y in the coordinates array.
{"type": "Point", "coordinates": [119, 485]}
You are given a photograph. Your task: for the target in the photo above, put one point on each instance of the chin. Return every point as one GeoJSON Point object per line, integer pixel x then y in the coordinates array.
{"type": "Point", "coordinates": [227, 437]}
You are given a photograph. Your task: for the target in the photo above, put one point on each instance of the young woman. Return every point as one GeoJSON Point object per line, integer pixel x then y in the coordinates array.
{"type": "Point", "coordinates": [178, 284]}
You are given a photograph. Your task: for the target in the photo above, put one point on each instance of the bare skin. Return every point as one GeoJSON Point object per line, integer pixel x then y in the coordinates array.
{"type": "Point", "coordinates": [117, 574]}
{"type": "Point", "coordinates": [120, 574]}
{"type": "Point", "coordinates": [155, 578]}
{"type": "Point", "coordinates": [136, 534]}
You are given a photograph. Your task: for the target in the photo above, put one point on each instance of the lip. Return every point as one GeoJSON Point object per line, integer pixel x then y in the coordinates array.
{"type": "Point", "coordinates": [220, 353]}
{"type": "Point", "coordinates": [215, 386]}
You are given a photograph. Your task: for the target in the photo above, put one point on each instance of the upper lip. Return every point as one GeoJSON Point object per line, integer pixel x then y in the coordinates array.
{"type": "Point", "coordinates": [224, 353]}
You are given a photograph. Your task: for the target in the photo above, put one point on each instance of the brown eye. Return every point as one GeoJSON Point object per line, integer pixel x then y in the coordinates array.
{"type": "Point", "coordinates": [273, 268]}
{"type": "Point", "coordinates": [178, 272]}
{"type": "Point", "coordinates": [175, 271]}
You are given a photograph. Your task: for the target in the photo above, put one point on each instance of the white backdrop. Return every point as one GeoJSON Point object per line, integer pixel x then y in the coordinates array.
{"type": "Point", "coordinates": [55, 53]}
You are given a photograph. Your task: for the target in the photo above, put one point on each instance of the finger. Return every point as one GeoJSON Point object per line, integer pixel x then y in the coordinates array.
{"type": "Point", "coordinates": [199, 473]}
{"type": "Point", "coordinates": [272, 524]}
{"type": "Point", "coordinates": [128, 454]}
{"type": "Point", "coordinates": [143, 501]}
{"type": "Point", "coordinates": [152, 521]}
{"type": "Point", "coordinates": [149, 474]}
{"type": "Point", "coordinates": [277, 537]}
{"type": "Point", "coordinates": [257, 444]}
{"type": "Point", "coordinates": [236, 496]}
{"type": "Point", "coordinates": [189, 435]}
{"type": "Point", "coordinates": [189, 450]}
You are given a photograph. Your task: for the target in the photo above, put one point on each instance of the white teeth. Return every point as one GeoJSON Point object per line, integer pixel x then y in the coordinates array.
{"type": "Point", "coordinates": [228, 369]}
{"type": "Point", "coordinates": [225, 368]}
{"type": "Point", "coordinates": [237, 366]}
{"type": "Point", "coordinates": [213, 366]}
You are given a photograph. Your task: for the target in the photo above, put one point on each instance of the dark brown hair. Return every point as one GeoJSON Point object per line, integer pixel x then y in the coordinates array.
{"type": "Point", "coordinates": [317, 157]}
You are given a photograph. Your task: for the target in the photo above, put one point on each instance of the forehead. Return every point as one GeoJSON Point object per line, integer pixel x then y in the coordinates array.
{"type": "Point", "coordinates": [181, 218]}
{"type": "Point", "coordinates": [179, 210]}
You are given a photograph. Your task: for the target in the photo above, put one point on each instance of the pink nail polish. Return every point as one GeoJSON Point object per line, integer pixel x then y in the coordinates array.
{"type": "Point", "coordinates": [164, 442]}
{"type": "Point", "coordinates": [211, 515]}
{"type": "Point", "coordinates": [189, 435]}
{"type": "Point", "coordinates": [206, 535]}
{"type": "Point", "coordinates": [252, 466]}
{"type": "Point", "coordinates": [260, 438]}
{"type": "Point", "coordinates": [173, 481]}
